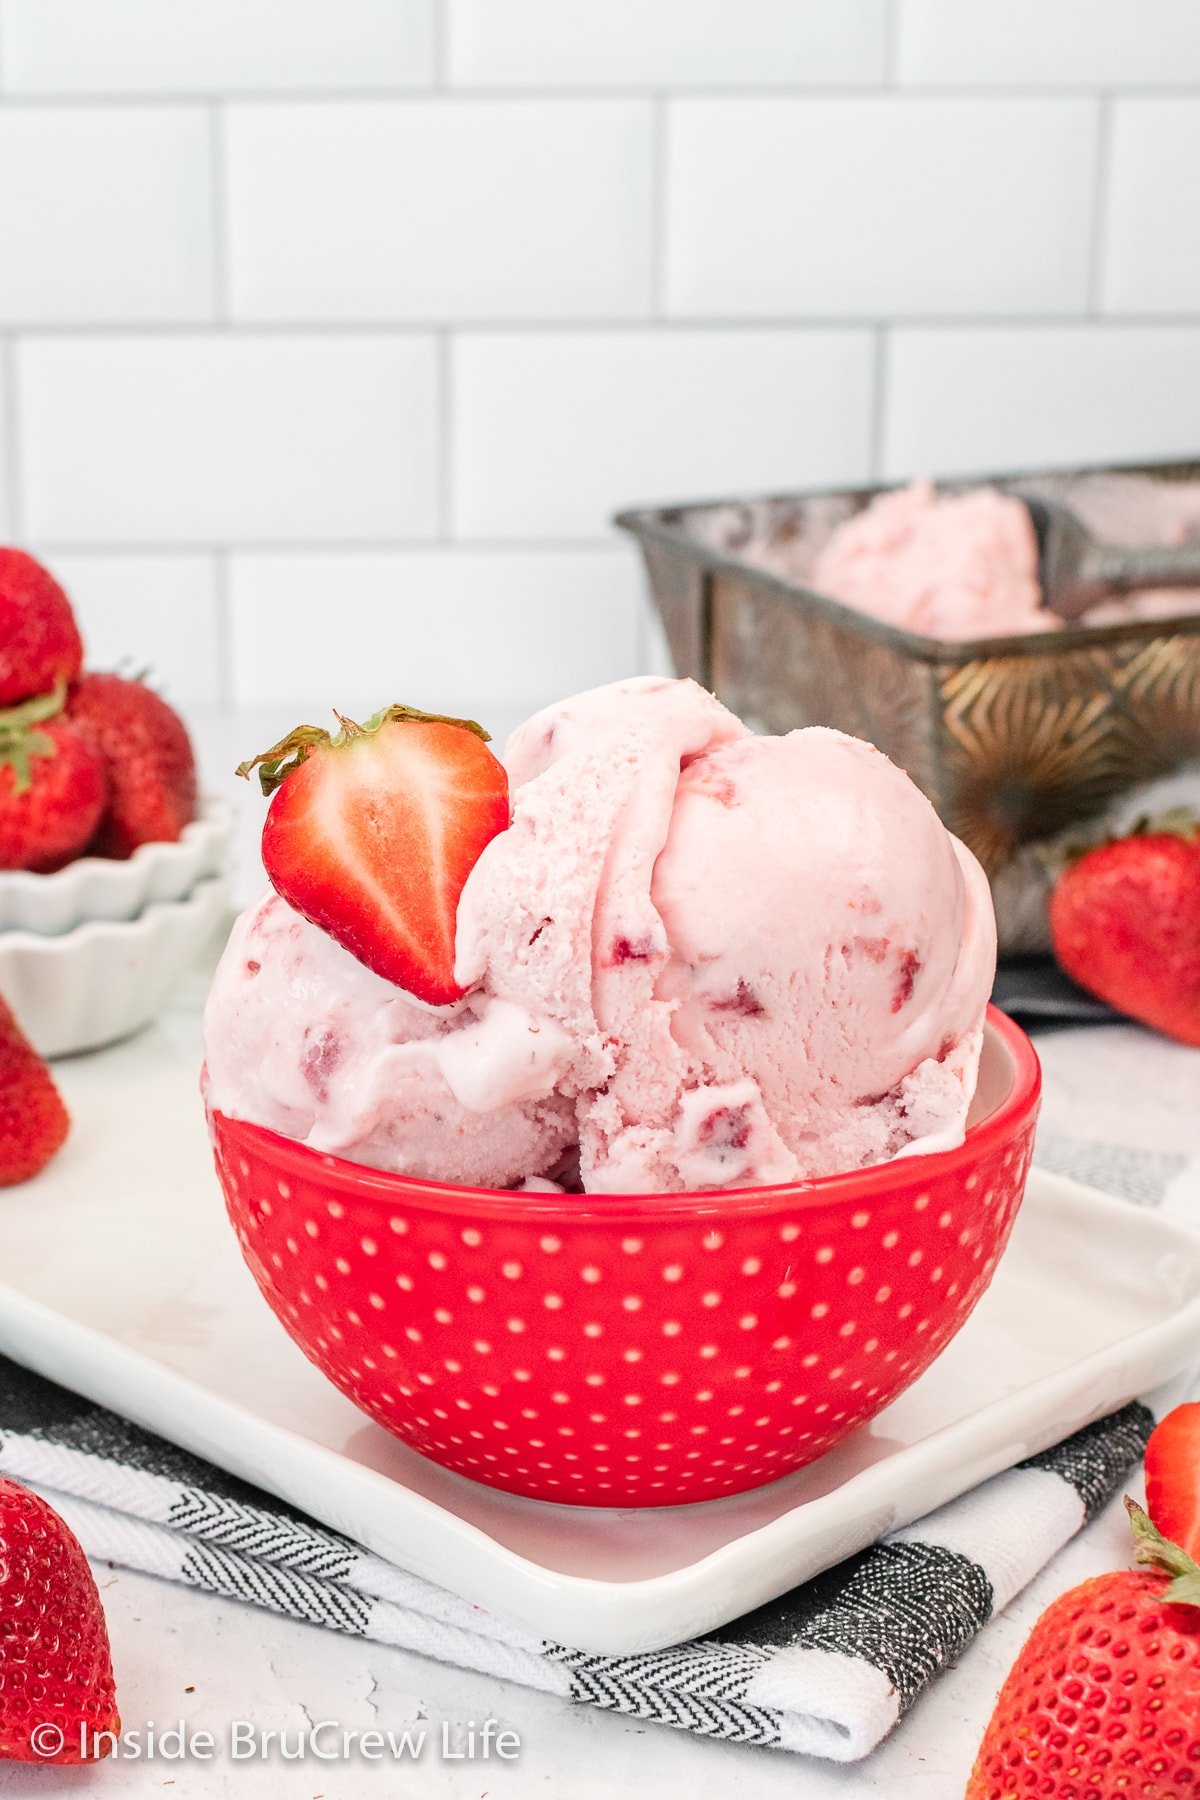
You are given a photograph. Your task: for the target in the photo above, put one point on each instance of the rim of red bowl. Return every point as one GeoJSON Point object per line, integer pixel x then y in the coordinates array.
{"type": "Point", "coordinates": [853, 1185]}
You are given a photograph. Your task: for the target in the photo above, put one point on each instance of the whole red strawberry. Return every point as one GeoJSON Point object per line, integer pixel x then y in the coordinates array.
{"type": "Point", "coordinates": [148, 757]}
{"type": "Point", "coordinates": [1125, 924]}
{"type": "Point", "coordinates": [372, 834]}
{"type": "Point", "coordinates": [33, 1119]}
{"type": "Point", "coordinates": [56, 1679]}
{"type": "Point", "coordinates": [1104, 1699]}
{"type": "Point", "coordinates": [40, 644]}
{"type": "Point", "coordinates": [52, 786]}
{"type": "Point", "coordinates": [1173, 1479]}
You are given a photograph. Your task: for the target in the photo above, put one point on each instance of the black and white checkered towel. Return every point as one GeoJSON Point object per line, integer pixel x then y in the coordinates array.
{"type": "Point", "coordinates": [827, 1669]}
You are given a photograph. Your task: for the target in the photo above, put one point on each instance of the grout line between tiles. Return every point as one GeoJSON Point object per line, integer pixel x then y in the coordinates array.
{"type": "Point", "coordinates": [390, 93]}
{"type": "Point", "coordinates": [879, 398]}
{"type": "Point", "coordinates": [441, 45]}
{"type": "Point", "coordinates": [1100, 197]}
{"type": "Point", "coordinates": [218, 178]}
{"type": "Point", "coordinates": [891, 42]}
{"type": "Point", "coordinates": [659, 221]}
{"type": "Point", "coordinates": [223, 621]}
{"type": "Point", "coordinates": [12, 438]}
{"type": "Point", "coordinates": [229, 548]}
{"type": "Point", "coordinates": [798, 324]}
{"type": "Point", "coordinates": [445, 443]}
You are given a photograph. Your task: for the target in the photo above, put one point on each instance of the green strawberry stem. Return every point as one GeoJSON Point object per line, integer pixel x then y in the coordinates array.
{"type": "Point", "coordinates": [1152, 1548]}
{"type": "Point", "coordinates": [21, 741]}
{"type": "Point", "coordinates": [1177, 821]}
{"type": "Point", "coordinates": [276, 764]}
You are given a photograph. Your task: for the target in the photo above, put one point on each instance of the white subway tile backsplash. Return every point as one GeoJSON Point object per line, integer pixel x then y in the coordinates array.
{"type": "Point", "coordinates": [440, 210]}
{"type": "Point", "coordinates": [663, 43]}
{"type": "Point", "coordinates": [553, 431]}
{"type": "Point", "coordinates": [336, 330]}
{"type": "Point", "coordinates": [182, 438]}
{"type": "Point", "coordinates": [105, 214]}
{"type": "Point", "coordinates": [1152, 235]}
{"type": "Point", "coordinates": [970, 400]}
{"type": "Point", "coordinates": [878, 206]}
{"type": "Point", "coordinates": [225, 46]}
{"type": "Point", "coordinates": [1072, 43]}
{"type": "Point", "coordinates": [443, 630]}
{"type": "Point", "coordinates": [148, 612]}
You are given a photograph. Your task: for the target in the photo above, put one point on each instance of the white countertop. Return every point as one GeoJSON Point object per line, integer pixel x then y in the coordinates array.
{"type": "Point", "coordinates": [182, 1654]}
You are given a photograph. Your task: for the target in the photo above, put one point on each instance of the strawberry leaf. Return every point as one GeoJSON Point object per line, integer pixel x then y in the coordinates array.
{"type": "Point", "coordinates": [276, 764]}
{"type": "Point", "coordinates": [21, 741]}
{"type": "Point", "coordinates": [1177, 821]}
{"type": "Point", "coordinates": [402, 713]}
{"type": "Point", "coordinates": [1152, 1548]}
{"type": "Point", "coordinates": [43, 707]}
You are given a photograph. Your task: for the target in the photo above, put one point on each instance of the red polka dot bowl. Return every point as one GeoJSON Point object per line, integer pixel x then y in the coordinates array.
{"type": "Point", "coordinates": [639, 1350]}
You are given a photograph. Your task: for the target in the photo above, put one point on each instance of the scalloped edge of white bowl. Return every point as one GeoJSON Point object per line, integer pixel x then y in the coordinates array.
{"type": "Point", "coordinates": [108, 977]}
{"type": "Point", "coordinates": [97, 888]}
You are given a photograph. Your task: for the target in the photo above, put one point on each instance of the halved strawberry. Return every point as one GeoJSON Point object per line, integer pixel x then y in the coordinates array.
{"type": "Point", "coordinates": [1173, 1477]}
{"type": "Point", "coordinates": [372, 834]}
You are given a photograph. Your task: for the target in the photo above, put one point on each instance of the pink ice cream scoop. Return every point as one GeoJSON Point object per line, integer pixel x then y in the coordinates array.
{"type": "Point", "coordinates": [302, 1038]}
{"type": "Point", "coordinates": [945, 565]}
{"type": "Point", "coordinates": [697, 958]}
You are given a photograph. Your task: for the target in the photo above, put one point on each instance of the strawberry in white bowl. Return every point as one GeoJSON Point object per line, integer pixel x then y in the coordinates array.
{"type": "Point", "coordinates": [107, 858]}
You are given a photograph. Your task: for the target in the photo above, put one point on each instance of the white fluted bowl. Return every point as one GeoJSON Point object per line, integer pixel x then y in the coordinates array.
{"type": "Point", "coordinates": [97, 887]}
{"type": "Point", "coordinates": [108, 977]}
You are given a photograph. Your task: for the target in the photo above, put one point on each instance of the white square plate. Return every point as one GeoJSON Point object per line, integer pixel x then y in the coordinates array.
{"type": "Point", "coordinates": [122, 1279]}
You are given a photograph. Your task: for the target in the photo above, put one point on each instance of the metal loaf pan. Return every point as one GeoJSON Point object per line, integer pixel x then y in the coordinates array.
{"type": "Point", "coordinates": [1016, 740]}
